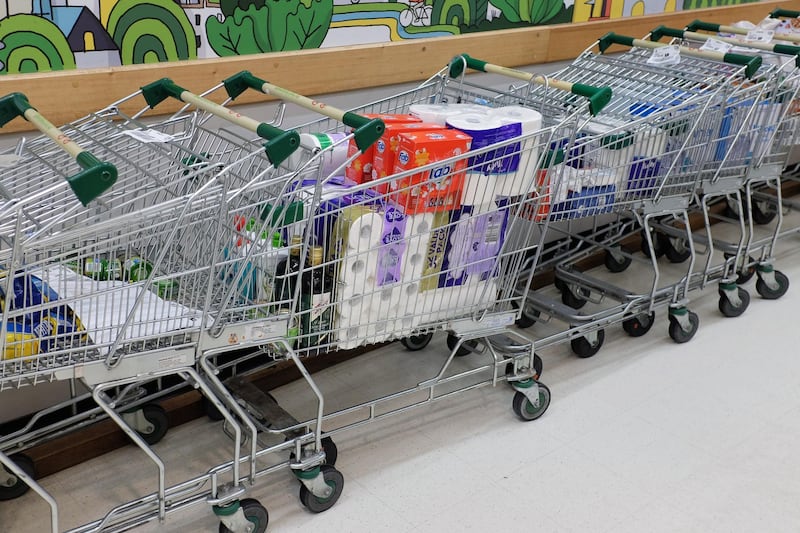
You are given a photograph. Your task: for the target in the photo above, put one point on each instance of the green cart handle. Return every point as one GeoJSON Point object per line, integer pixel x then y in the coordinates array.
{"type": "Point", "coordinates": [366, 130]}
{"type": "Point", "coordinates": [95, 178]}
{"type": "Point", "coordinates": [751, 63]}
{"type": "Point", "coordinates": [784, 13]}
{"type": "Point", "coordinates": [280, 144]}
{"type": "Point", "coordinates": [709, 26]}
{"type": "Point", "coordinates": [598, 96]}
{"type": "Point", "coordinates": [783, 49]}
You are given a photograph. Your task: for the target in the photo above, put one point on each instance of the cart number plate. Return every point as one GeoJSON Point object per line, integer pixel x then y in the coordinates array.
{"type": "Point", "coordinates": [714, 45]}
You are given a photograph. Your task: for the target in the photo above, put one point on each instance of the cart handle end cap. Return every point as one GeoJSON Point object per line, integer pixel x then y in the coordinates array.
{"type": "Point", "coordinates": [156, 92]}
{"type": "Point", "coordinates": [700, 25]}
{"type": "Point", "coordinates": [281, 143]}
{"type": "Point", "coordinates": [367, 130]}
{"type": "Point", "coordinates": [240, 82]}
{"type": "Point", "coordinates": [461, 62]}
{"type": "Point", "coordinates": [778, 13]}
{"type": "Point", "coordinates": [13, 105]}
{"type": "Point", "coordinates": [96, 178]}
{"type": "Point", "coordinates": [661, 31]}
{"type": "Point", "coordinates": [598, 97]}
{"type": "Point", "coordinates": [751, 64]}
{"type": "Point", "coordinates": [613, 38]}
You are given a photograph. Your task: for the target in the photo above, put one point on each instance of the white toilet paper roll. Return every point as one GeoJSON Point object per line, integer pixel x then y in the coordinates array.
{"type": "Point", "coordinates": [359, 269]}
{"type": "Point", "coordinates": [364, 232]}
{"type": "Point", "coordinates": [522, 181]}
{"type": "Point", "coordinates": [414, 257]}
{"type": "Point", "coordinates": [386, 300]}
{"type": "Point", "coordinates": [410, 300]}
{"type": "Point", "coordinates": [480, 189]}
{"type": "Point", "coordinates": [355, 308]}
{"type": "Point", "coordinates": [435, 113]}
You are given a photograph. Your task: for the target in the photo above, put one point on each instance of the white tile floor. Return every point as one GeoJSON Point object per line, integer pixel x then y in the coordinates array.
{"type": "Point", "coordinates": [646, 436]}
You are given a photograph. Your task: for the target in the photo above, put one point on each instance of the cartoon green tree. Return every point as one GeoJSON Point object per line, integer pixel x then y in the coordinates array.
{"type": "Point", "coordinates": [258, 26]}
{"type": "Point", "coordinates": [33, 44]}
{"type": "Point", "coordinates": [151, 31]}
{"type": "Point", "coordinates": [532, 11]}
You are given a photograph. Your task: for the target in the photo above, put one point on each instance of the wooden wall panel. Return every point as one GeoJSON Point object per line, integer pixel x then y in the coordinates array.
{"type": "Point", "coordinates": [67, 95]}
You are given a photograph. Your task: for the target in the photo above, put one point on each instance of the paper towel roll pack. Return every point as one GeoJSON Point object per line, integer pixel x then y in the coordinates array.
{"type": "Point", "coordinates": [359, 169]}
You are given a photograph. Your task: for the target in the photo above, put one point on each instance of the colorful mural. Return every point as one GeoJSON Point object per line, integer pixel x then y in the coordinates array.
{"type": "Point", "coordinates": [43, 35]}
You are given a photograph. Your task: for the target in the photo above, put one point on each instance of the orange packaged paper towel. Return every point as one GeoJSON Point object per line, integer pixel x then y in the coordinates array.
{"type": "Point", "coordinates": [385, 149]}
{"type": "Point", "coordinates": [439, 188]}
{"type": "Point", "coordinates": [360, 169]}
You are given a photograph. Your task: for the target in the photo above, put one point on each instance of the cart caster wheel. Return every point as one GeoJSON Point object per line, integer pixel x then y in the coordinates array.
{"type": "Point", "coordinates": [659, 248]}
{"type": "Point", "coordinates": [773, 293]}
{"type": "Point", "coordinates": [211, 410]}
{"type": "Point", "coordinates": [157, 417]}
{"type": "Point", "coordinates": [10, 485]}
{"type": "Point", "coordinates": [528, 317]}
{"type": "Point", "coordinates": [330, 449]}
{"type": "Point", "coordinates": [525, 410]}
{"type": "Point", "coordinates": [255, 513]}
{"type": "Point", "coordinates": [465, 348]}
{"type": "Point", "coordinates": [335, 480]}
{"type": "Point", "coordinates": [764, 212]}
{"type": "Point", "coordinates": [416, 342]}
{"type": "Point", "coordinates": [616, 262]}
{"type": "Point", "coordinates": [583, 347]}
{"type": "Point", "coordinates": [745, 274]}
{"type": "Point", "coordinates": [676, 249]}
{"type": "Point", "coordinates": [538, 367]}
{"type": "Point", "coordinates": [678, 334]}
{"type": "Point", "coordinates": [639, 325]}
{"type": "Point", "coordinates": [572, 300]}
{"type": "Point", "coordinates": [727, 308]}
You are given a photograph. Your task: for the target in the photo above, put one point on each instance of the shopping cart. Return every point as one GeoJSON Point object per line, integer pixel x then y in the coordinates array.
{"type": "Point", "coordinates": [217, 267]}
{"type": "Point", "coordinates": [651, 143]}
{"type": "Point", "coordinates": [147, 165]}
{"type": "Point", "coordinates": [759, 132]}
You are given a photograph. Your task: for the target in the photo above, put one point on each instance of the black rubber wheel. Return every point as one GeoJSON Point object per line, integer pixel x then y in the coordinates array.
{"type": "Point", "coordinates": [416, 342]}
{"type": "Point", "coordinates": [538, 367]}
{"type": "Point", "coordinates": [728, 309]}
{"type": "Point", "coordinates": [773, 294]}
{"type": "Point", "coordinates": [571, 299]}
{"type": "Point", "coordinates": [764, 212]}
{"type": "Point", "coordinates": [255, 513]}
{"type": "Point", "coordinates": [330, 449]}
{"type": "Point", "coordinates": [464, 349]}
{"type": "Point", "coordinates": [616, 265]}
{"type": "Point", "coordinates": [584, 348]}
{"type": "Point", "coordinates": [528, 317]}
{"type": "Point", "coordinates": [677, 333]}
{"type": "Point", "coordinates": [525, 410]}
{"type": "Point", "coordinates": [656, 242]}
{"type": "Point", "coordinates": [19, 487]}
{"type": "Point", "coordinates": [639, 325]}
{"type": "Point", "coordinates": [211, 411]}
{"type": "Point", "coordinates": [335, 480]}
{"type": "Point", "coordinates": [676, 249]}
{"type": "Point", "coordinates": [745, 274]}
{"type": "Point", "coordinates": [156, 415]}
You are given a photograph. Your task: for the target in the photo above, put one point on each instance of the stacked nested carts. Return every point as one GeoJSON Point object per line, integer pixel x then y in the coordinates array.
{"type": "Point", "coordinates": [195, 256]}
{"type": "Point", "coordinates": [685, 126]}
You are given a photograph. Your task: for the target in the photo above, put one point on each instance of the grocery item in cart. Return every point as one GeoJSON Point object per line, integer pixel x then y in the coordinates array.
{"type": "Point", "coordinates": [385, 149]}
{"type": "Point", "coordinates": [436, 190]}
{"type": "Point", "coordinates": [360, 168]}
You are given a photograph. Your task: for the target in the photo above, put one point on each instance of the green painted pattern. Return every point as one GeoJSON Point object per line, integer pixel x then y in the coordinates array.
{"type": "Point", "coordinates": [144, 36]}
{"type": "Point", "coordinates": [127, 17]}
{"type": "Point", "coordinates": [33, 42]}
